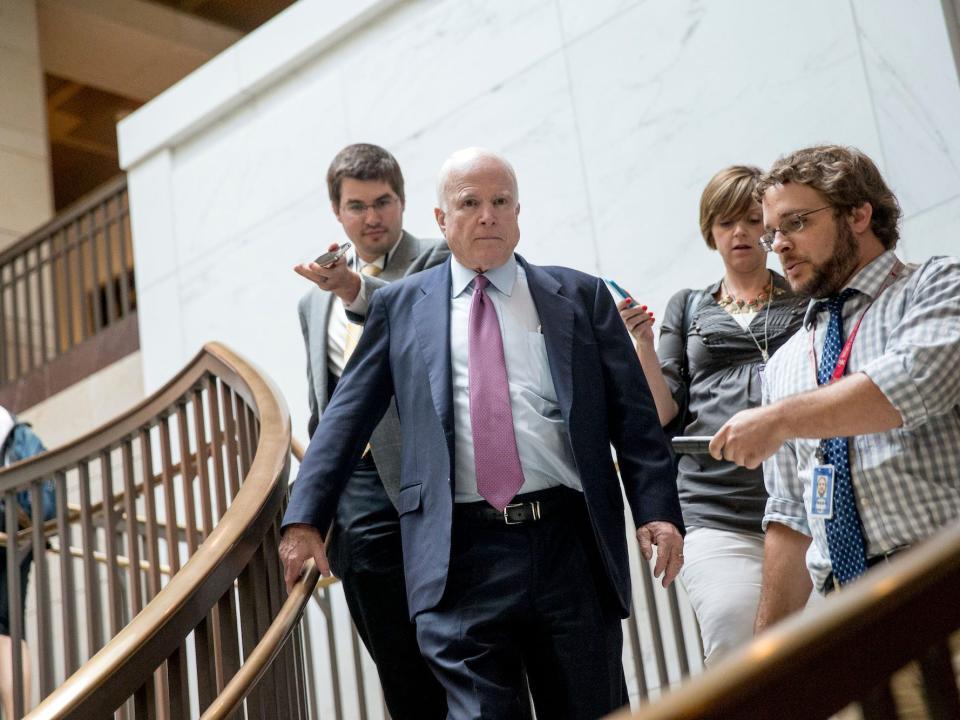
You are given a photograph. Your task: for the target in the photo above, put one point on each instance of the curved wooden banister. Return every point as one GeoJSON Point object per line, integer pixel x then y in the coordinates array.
{"type": "Point", "coordinates": [229, 427]}
{"type": "Point", "coordinates": [815, 663]}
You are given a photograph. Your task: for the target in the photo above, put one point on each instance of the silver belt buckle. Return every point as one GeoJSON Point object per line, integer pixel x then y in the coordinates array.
{"type": "Point", "coordinates": [534, 510]}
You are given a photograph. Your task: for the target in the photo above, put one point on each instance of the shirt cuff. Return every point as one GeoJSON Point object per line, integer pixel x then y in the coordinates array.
{"type": "Point", "coordinates": [889, 373]}
{"type": "Point", "coordinates": [786, 512]}
{"type": "Point", "coordinates": [360, 303]}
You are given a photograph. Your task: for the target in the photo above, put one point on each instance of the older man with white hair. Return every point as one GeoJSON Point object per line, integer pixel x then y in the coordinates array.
{"type": "Point", "coordinates": [511, 381]}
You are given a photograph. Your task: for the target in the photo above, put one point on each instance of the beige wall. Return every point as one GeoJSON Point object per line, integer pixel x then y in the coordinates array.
{"type": "Point", "coordinates": [25, 188]}
{"type": "Point", "coordinates": [132, 48]}
{"type": "Point", "coordinates": [89, 403]}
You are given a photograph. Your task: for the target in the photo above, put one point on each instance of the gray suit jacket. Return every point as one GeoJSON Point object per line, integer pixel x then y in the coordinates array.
{"type": "Point", "coordinates": [409, 256]}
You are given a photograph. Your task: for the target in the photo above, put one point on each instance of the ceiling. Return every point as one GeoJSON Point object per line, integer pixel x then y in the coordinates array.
{"type": "Point", "coordinates": [243, 16]}
{"type": "Point", "coordinates": [82, 128]}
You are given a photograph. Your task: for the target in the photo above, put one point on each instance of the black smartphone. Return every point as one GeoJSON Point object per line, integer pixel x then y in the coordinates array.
{"type": "Point", "coordinates": [692, 445]}
{"type": "Point", "coordinates": [621, 292]}
{"type": "Point", "coordinates": [330, 258]}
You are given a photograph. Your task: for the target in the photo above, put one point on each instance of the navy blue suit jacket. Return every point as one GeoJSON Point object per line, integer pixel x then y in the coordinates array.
{"type": "Point", "coordinates": [405, 352]}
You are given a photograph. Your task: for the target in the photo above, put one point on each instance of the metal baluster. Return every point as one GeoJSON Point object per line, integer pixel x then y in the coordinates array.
{"type": "Point", "coordinates": [126, 274]}
{"type": "Point", "coordinates": [5, 345]}
{"type": "Point", "coordinates": [90, 574]}
{"type": "Point", "coordinates": [15, 307]}
{"type": "Point", "coordinates": [45, 632]}
{"type": "Point", "coordinates": [14, 580]}
{"type": "Point", "coordinates": [110, 544]}
{"type": "Point", "coordinates": [42, 268]}
{"type": "Point", "coordinates": [133, 526]}
{"type": "Point", "coordinates": [68, 600]}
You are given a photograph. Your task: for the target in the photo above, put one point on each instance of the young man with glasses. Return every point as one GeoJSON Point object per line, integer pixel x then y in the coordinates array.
{"type": "Point", "coordinates": [365, 186]}
{"type": "Point", "coordinates": [861, 407]}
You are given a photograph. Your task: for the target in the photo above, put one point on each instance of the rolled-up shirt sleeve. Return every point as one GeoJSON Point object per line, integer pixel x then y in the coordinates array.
{"type": "Point", "coordinates": [782, 479]}
{"type": "Point", "coordinates": [919, 370]}
{"type": "Point", "coordinates": [785, 490]}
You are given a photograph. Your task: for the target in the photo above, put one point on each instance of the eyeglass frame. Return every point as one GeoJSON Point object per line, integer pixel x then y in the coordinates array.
{"type": "Point", "coordinates": [770, 236]}
{"type": "Point", "coordinates": [357, 209]}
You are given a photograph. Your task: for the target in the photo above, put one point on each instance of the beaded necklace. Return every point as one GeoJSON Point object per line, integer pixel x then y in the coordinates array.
{"type": "Point", "coordinates": [735, 307]}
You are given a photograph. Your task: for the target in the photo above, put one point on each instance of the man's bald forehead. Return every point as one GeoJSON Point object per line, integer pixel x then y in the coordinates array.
{"type": "Point", "coordinates": [462, 161]}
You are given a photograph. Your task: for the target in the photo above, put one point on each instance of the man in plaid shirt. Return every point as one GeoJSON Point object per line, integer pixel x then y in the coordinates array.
{"type": "Point", "coordinates": [893, 403]}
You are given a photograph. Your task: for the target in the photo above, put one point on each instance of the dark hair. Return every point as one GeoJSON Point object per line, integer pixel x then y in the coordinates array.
{"type": "Point", "coordinates": [847, 178]}
{"type": "Point", "coordinates": [729, 194]}
{"type": "Point", "coordinates": [363, 161]}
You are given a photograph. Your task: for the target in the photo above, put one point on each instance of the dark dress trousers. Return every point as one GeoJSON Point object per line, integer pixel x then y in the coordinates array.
{"type": "Point", "coordinates": [458, 569]}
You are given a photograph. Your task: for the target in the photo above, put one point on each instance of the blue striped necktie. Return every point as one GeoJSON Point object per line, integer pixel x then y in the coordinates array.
{"type": "Point", "coordinates": [845, 539]}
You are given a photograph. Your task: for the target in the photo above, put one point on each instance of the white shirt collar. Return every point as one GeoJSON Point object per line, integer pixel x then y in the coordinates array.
{"type": "Point", "coordinates": [503, 278]}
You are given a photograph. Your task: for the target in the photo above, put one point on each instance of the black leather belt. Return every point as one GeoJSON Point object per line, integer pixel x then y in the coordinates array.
{"type": "Point", "coordinates": [831, 584]}
{"type": "Point", "coordinates": [526, 508]}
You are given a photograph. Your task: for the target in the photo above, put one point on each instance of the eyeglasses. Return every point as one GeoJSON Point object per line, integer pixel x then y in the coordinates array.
{"type": "Point", "coordinates": [380, 205]}
{"type": "Point", "coordinates": [792, 224]}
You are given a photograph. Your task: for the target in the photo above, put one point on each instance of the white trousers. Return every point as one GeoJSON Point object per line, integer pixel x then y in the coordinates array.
{"type": "Point", "coordinates": [722, 573]}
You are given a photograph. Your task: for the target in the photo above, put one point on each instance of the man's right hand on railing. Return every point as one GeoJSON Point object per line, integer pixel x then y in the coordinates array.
{"type": "Point", "coordinates": [300, 543]}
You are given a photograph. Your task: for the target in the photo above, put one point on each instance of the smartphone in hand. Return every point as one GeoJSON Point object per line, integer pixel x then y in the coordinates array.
{"type": "Point", "coordinates": [622, 293]}
{"type": "Point", "coordinates": [329, 258]}
{"type": "Point", "coordinates": [691, 445]}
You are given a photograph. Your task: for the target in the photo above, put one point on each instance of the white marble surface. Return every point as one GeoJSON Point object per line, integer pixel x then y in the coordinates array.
{"type": "Point", "coordinates": [614, 113]}
{"type": "Point", "coordinates": [917, 109]}
{"type": "Point", "coordinates": [935, 231]}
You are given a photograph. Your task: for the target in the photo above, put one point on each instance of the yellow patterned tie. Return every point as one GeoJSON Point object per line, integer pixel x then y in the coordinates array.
{"type": "Point", "coordinates": [354, 330]}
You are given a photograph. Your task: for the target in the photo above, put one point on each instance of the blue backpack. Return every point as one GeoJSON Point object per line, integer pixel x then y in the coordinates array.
{"type": "Point", "coordinates": [22, 443]}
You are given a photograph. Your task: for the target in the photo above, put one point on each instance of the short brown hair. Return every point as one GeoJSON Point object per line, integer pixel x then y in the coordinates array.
{"type": "Point", "coordinates": [363, 161]}
{"type": "Point", "coordinates": [729, 194]}
{"type": "Point", "coordinates": [847, 178]}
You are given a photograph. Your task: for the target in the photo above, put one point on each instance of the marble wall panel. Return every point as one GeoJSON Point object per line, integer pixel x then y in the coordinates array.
{"type": "Point", "coordinates": [152, 214]}
{"type": "Point", "coordinates": [160, 315]}
{"type": "Point", "coordinates": [263, 159]}
{"type": "Point", "coordinates": [935, 231]}
{"type": "Point", "coordinates": [424, 66]}
{"type": "Point", "coordinates": [529, 119]}
{"type": "Point", "coordinates": [670, 93]}
{"type": "Point", "coordinates": [917, 108]}
{"type": "Point", "coordinates": [578, 18]}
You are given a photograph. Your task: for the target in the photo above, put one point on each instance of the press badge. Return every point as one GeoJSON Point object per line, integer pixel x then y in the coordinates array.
{"type": "Point", "coordinates": [821, 492]}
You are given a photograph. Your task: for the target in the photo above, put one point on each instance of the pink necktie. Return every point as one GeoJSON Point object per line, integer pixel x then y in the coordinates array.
{"type": "Point", "coordinates": [499, 475]}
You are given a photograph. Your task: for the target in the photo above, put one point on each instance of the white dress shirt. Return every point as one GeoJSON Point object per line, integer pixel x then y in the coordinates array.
{"type": "Point", "coordinates": [543, 443]}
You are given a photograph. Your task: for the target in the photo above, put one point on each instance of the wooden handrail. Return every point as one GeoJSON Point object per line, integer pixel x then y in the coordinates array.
{"type": "Point", "coordinates": [817, 662]}
{"type": "Point", "coordinates": [125, 663]}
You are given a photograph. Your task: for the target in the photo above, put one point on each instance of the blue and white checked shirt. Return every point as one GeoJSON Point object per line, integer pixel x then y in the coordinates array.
{"type": "Point", "coordinates": [907, 480]}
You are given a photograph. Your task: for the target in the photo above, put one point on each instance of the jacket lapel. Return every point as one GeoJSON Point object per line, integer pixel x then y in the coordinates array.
{"type": "Point", "coordinates": [435, 346]}
{"type": "Point", "coordinates": [400, 257]}
{"type": "Point", "coordinates": [556, 323]}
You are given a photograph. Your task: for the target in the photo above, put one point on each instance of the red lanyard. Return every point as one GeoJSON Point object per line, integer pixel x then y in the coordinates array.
{"type": "Point", "coordinates": [848, 345]}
